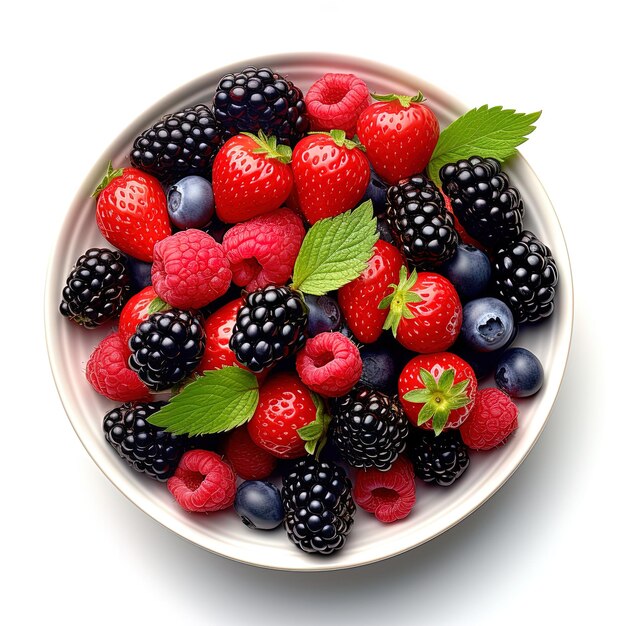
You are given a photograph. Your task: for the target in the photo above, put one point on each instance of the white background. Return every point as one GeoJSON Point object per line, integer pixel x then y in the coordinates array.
{"type": "Point", "coordinates": [549, 546]}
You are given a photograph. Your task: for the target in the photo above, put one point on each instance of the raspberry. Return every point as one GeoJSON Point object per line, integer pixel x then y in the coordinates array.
{"type": "Point", "coordinates": [330, 364]}
{"type": "Point", "coordinates": [109, 374]}
{"type": "Point", "coordinates": [248, 460]}
{"type": "Point", "coordinates": [203, 482]}
{"type": "Point", "coordinates": [336, 101]}
{"type": "Point", "coordinates": [492, 420]}
{"type": "Point", "coordinates": [389, 495]}
{"type": "Point", "coordinates": [190, 269]}
{"type": "Point", "coordinates": [263, 250]}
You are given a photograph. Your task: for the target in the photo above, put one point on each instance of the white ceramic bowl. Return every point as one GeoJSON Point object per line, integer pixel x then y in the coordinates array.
{"type": "Point", "coordinates": [436, 510]}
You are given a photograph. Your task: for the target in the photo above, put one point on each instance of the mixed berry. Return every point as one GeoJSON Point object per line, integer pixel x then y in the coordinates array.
{"type": "Point", "coordinates": [307, 289]}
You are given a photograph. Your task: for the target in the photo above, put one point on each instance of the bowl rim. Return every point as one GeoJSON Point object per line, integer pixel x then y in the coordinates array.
{"type": "Point", "coordinates": [566, 296]}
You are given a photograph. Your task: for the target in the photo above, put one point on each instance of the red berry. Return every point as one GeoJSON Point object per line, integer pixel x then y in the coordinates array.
{"type": "Point", "coordinates": [248, 460]}
{"type": "Point", "coordinates": [425, 312]}
{"type": "Point", "coordinates": [330, 364]}
{"type": "Point", "coordinates": [330, 174]}
{"type": "Point", "coordinates": [203, 482]}
{"type": "Point", "coordinates": [463, 234]}
{"type": "Point", "coordinates": [218, 328]}
{"type": "Point", "coordinates": [190, 269]}
{"type": "Point", "coordinates": [135, 311]}
{"type": "Point", "coordinates": [250, 177]}
{"type": "Point", "coordinates": [285, 405]}
{"type": "Point", "coordinates": [108, 372]}
{"type": "Point", "coordinates": [131, 211]}
{"type": "Point", "coordinates": [399, 134]}
{"type": "Point", "coordinates": [263, 250]}
{"type": "Point", "coordinates": [336, 101]}
{"type": "Point", "coordinates": [360, 298]}
{"type": "Point", "coordinates": [446, 401]}
{"type": "Point", "coordinates": [389, 495]}
{"type": "Point", "coordinates": [492, 420]}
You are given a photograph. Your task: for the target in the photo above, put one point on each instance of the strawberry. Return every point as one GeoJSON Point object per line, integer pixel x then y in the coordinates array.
{"type": "Point", "coordinates": [437, 391]}
{"type": "Point", "coordinates": [360, 298]}
{"type": "Point", "coordinates": [285, 405]}
{"type": "Point", "coordinates": [250, 177]}
{"type": "Point", "coordinates": [425, 311]}
{"type": "Point", "coordinates": [330, 174]}
{"type": "Point", "coordinates": [137, 310]}
{"type": "Point", "coordinates": [463, 234]}
{"type": "Point", "coordinates": [131, 211]}
{"type": "Point", "coordinates": [399, 133]}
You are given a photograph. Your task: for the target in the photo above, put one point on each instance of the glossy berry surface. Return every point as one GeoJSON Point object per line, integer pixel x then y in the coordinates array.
{"type": "Point", "coordinates": [97, 287]}
{"type": "Point", "coordinates": [380, 367]}
{"type": "Point", "coordinates": [376, 192]}
{"type": "Point", "coordinates": [270, 327]}
{"type": "Point", "coordinates": [166, 348]}
{"type": "Point", "coordinates": [324, 315]}
{"type": "Point", "coordinates": [140, 274]}
{"type": "Point", "coordinates": [319, 509]}
{"type": "Point", "coordinates": [146, 448]}
{"type": "Point", "coordinates": [190, 202]}
{"type": "Point", "coordinates": [469, 270]}
{"type": "Point", "coordinates": [519, 373]}
{"type": "Point", "coordinates": [439, 459]}
{"type": "Point", "coordinates": [259, 504]}
{"type": "Point", "coordinates": [526, 277]}
{"type": "Point", "coordinates": [488, 324]}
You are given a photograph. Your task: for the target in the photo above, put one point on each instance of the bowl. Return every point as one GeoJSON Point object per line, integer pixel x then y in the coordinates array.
{"type": "Point", "coordinates": [436, 510]}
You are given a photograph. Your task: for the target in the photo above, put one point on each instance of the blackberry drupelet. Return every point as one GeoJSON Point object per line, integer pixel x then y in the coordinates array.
{"type": "Point", "coordinates": [319, 509]}
{"type": "Point", "coordinates": [422, 226]}
{"type": "Point", "coordinates": [526, 277]}
{"type": "Point", "coordinates": [97, 288]}
{"type": "Point", "coordinates": [369, 428]}
{"type": "Point", "coordinates": [483, 201]}
{"type": "Point", "coordinates": [166, 348]}
{"type": "Point", "coordinates": [180, 144]}
{"type": "Point", "coordinates": [259, 99]}
{"type": "Point", "coordinates": [269, 327]}
{"type": "Point", "coordinates": [146, 448]}
{"type": "Point", "coordinates": [439, 459]}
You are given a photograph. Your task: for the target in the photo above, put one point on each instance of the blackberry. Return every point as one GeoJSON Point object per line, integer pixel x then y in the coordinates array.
{"type": "Point", "coordinates": [166, 348]}
{"type": "Point", "coordinates": [369, 428]}
{"type": "Point", "coordinates": [526, 277]}
{"type": "Point", "coordinates": [146, 448]}
{"type": "Point", "coordinates": [97, 288]}
{"type": "Point", "coordinates": [483, 201]}
{"type": "Point", "coordinates": [422, 226]}
{"type": "Point", "coordinates": [319, 509]}
{"type": "Point", "coordinates": [439, 459]}
{"type": "Point", "coordinates": [269, 327]}
{"type": "Point", "coordinates": [259, 99]}
{"type": "Point", "coordinates": [180, 144]}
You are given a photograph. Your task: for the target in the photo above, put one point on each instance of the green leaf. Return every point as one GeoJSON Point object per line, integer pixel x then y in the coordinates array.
{"type": "Point", "coordinates": [418, 396]}
{"type": "Point", "coordinates": [268, 146]}
{"type": "Point", "coordinates": [485, 132]}
{"type": "Point", "coordinates": [157, 306]}
{"type": "Point", "coordinates": [458, 402]}
{"type": "Point", "coordinates": [340, 139]}
{"type": "Point", "coordinates": [219, 400]}
{"type": "Point", "coordinates": [440, 418]}
{"type": "Point", "coordinates": [315, 434]}
{"type": "Point", "coordinates": [109, 175]}
{"type": "Point", "coordinates": [335, 251]}
{"type": "Point", "coordinates": [428, 379]}
{"type": "Point", "coordinates": [405, 101]}
{"type": "Point", "coordinates": [445, 381]}
{"type": "Point", "coordinates": [426, 412]}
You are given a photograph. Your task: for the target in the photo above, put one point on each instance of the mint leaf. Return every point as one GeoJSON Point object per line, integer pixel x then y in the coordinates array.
{"type": "Point", "coordinates": [217, 401]}
{"type": "Point", "coordinates": [485, 132]}
{"type": "Point", "coordinates": [335, 251]}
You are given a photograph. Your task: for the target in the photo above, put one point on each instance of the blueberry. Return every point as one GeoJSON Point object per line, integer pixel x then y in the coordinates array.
{"type": "Point", "coordinates": [259, 504]}
{"type": "Point", "coordinates": [376, 192]}
{"type": "Point", "coordinates": [487, 324]}
{"type": "Point", "coordinates": [190, 202]}
{"type": "Point", "coordinates": [380, 369]}
{"type": "Point", "coordinates": [519, 373]}
{"type": "Point", "coordinates": [324, 314]}
{"type": "Point", "coordinates": [469, 270]}
{"type": "Point", "coordinates": [140, 274]}
{"type": "Point", "coordinates": [483, 363]}
{"type": "Point", "coordinates": [384, 231]}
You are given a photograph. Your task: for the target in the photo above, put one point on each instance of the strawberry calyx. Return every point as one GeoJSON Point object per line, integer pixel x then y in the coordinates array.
{"type": "Point", "coordinates": [340, 139]}
{"type": "Point", "coordinates": [405, 101]}
{"type": "Point", "coordinates": [157, 306]}
{"type": "Point", "coordinates": [269, 146]}
{"type": "Point", "coordinates": [107, 178]}
{"type": "Point", "coordinates": [315, 433]}
{"type": "Point", "coordinates": [439, 396]}
{"type": "Point", "coordinates": [397, 301]}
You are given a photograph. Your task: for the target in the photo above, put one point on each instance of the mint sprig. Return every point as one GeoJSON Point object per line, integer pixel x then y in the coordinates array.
{"type": "Point", "coordinates": [335, 251]}
{"type": "Point", "coordinates": [219, 400]}
{"type": "Point", "coordinates": [485, 132]}
{"type": "Point", "coordinates": [315, 434]}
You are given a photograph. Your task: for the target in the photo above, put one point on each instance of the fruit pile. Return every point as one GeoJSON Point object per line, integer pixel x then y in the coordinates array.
{"type": "Point", "coordinates": [307, 290]}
